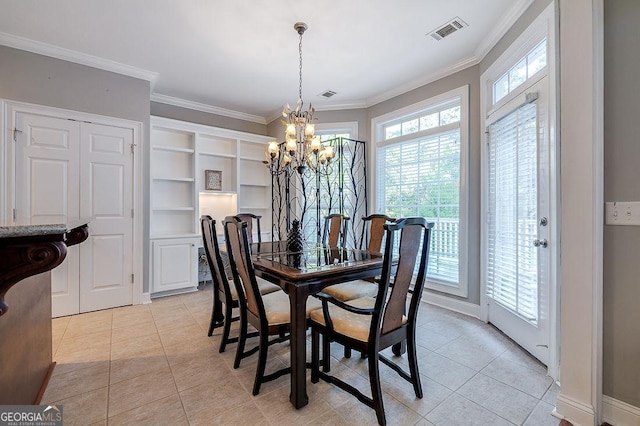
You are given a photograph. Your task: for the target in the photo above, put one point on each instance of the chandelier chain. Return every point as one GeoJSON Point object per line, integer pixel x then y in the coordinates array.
{"type": "Point", "coordinates": [300, 68]}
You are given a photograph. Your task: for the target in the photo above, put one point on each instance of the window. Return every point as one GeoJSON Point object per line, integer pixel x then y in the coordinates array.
{"type": "Point", "coordinates": [421, 155]}
{"type": "Point", "coordinates": [530, 64]}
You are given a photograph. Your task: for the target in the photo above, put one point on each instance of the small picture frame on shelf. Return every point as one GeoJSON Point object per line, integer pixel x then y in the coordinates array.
{"type": "Point", "coordinates": [213, 180]}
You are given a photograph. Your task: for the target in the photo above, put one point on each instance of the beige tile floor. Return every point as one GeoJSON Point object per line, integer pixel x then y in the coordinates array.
{"type": "Point", "coordinates": [154, 364]}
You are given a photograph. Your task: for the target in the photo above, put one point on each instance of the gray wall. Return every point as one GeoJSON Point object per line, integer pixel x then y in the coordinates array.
{"type": "Point", "coordinates": [621, 287]}
{"type": "Point", "coordinates": [193, 116]}
{"type": "Point", "coordinates": [42, 80]}
{"type": "Point", "coordinates": [465, 77]}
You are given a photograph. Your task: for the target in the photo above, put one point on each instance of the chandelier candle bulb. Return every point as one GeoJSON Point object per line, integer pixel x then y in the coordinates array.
{"type": "Point", "coordinates": [291, 130]}
{"type": "Point", "coordinates": [309, 130]}
{"type": "Point", "coordinates": [273, 149]}
{"type": "Point", "coordinates": [315, 144]}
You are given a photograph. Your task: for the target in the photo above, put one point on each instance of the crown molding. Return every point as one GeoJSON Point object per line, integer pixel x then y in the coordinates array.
{"type": "Point", "coordinates": [182, 103]}
{"type": "Point", "coordinates": [415, 84]}
{"type": "Point", "coordinates": [45, 49]}
{"type": "Point", "coordinates": [501, 29]}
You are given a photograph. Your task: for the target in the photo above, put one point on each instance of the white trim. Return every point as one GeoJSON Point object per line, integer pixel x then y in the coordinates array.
{"type": "Point", "coordinates": [581, 84]}
{"type": "Point", "coordinates": [11, 108]}
{"type": "Point", "coordinates": [45, 49]}
{"type": "Point", "coordinates": [574, 411]}
{"type": "Point", "coordinates": [183, 103]}
{"type": "Point", "coordinates": [423, 81]}
{"type": "Point", "coordinates": [619, 413]}
{"type": "Point", "coordinates": [452, 304]}
{"type": "Point", "coordinates": [462, 287]}
{"type": "Point", "coordinates": [503, 26]}
{"type": "Point", "coordinates": [172, 124]}
{"type": "Point", "coordinates": [146, 298]}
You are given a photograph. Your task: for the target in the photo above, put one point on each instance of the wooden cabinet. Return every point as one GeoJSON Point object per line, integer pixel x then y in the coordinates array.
{"type": "Point", "coordinates": [181, 153]}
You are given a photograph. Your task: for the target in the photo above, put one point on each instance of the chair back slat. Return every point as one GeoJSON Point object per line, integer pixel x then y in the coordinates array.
{"type": "Point", "coordinates": [414, 244]}
{"type": "Point", "coordinates": [212, 251]}
{"type": "Point", "coordinates": [375, 231]}
{"type": "Point", "coordinates": [241, 266]}
{"type": "Point", "coordinates": [249, 218]}
{"type": "Point", "coordinates": [334, 230]}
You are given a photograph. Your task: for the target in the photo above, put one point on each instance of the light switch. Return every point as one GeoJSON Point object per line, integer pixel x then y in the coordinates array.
{"type": "Point", "coordinates": [622, 213]}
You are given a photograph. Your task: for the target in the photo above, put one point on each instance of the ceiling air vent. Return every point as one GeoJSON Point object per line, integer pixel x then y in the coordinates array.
{"type": "Point", "coordinates": [328, 93]}
{"type": "Point", "coordinates": [449, 28]}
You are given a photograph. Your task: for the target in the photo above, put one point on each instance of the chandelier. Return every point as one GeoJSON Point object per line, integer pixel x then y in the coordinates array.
{"type": "Point", "coordinates": [301, 148]}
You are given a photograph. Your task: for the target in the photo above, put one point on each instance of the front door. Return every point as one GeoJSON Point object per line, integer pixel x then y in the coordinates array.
{"type": "Point", "coordinates": [68, 169]}
{"type": "Point", "coordinates": [517, 268]}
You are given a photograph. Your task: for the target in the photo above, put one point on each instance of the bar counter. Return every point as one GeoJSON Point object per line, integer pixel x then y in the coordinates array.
{"type": "Point", "coordinates": [28, 252]}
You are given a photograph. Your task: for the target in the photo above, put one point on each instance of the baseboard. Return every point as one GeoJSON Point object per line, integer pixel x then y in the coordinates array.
{"type": "Point", "coordinates": [619, 413]}
{"type": "Point", "coordinates": [146, 298]}
{"type": "Point", "coordinates": [173, 292]}
{"type": "Point", "coordinates": [452, 304]}
{"type": "Point", "coordinates": [576, 412]}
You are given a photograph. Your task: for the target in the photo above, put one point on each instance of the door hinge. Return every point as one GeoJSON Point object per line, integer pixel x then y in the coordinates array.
{"type": "Point", "coordinates": [133, 148]}
{"type": "Point", "coordinates": [15, 134]}
{"type": "Point", "coordinates": [132, 213]}
{"type": "Point", "coordinates": [133, 278]}
{"type": "Point", "coordinates": [15, 214]}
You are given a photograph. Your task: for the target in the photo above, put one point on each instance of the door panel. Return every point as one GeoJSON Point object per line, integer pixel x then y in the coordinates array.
{"type": "Point", "coordinates": [47, 191]}
{"type": "Point", "coordinates": [106, 196]}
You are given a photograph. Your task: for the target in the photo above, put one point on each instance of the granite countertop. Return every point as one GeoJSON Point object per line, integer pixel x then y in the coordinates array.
{"type": "Point", "coordinates": [58, 225]}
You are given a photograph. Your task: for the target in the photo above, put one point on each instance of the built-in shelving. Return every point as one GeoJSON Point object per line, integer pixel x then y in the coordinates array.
{"type": "Point", "coordinates": [181, 153]}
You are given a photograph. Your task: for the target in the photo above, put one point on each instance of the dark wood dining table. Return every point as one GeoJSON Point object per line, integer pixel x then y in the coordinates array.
{"type": "Point", "coordinates": [305, 273]}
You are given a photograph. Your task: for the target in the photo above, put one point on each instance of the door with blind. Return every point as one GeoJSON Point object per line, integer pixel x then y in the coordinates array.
{"type": "Point", "coordinates": [517, 234]}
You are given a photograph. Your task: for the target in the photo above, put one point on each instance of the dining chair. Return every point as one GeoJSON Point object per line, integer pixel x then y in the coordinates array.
{"type": "Point", "coordinates": [372, 324]}
{"type": "Point", "coordinates": [335, 230]}
{"type": "Point", "coordinates": [249, 218]}
{"type": "Point", "coordinates": [373, 228]}
{"type": "Point", "coordinates": [268, 313]}
{"type": "Point", "coordinates": [223, 293]}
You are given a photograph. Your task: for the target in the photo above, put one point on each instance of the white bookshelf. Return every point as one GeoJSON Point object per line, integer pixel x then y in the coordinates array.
{"type": "Point", "coordinates": [181, 152]}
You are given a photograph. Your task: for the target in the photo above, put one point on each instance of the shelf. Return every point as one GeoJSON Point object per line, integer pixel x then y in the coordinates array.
{"type": "Point", "coordinates": [211, 192]}
{"type": "Point", "coordinates": [171, 179]}
{"type": "Point", "coordinates": [173, 149]}
{"type": "Point", "coordinates": [214, 154]}
{"type": "Point", "coordinates": [257, 160]}
{"type": "Point", "coordinates": [262, 185]}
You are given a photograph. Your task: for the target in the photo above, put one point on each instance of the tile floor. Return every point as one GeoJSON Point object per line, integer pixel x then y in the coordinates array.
{"type": "Point", "coordinates": [154, 364]}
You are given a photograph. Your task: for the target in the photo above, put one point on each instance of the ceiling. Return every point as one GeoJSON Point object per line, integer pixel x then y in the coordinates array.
{"type": "Point", "coordinates": [241, 57]}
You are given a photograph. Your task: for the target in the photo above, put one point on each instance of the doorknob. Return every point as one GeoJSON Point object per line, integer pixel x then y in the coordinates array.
{"type": "Point", "coordinates": [540, 243]}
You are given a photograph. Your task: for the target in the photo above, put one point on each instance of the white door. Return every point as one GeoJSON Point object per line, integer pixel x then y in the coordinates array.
{"type": "Point", "coordinates": [69, 169]}
{"type": "Point", "coordinates": [106, 196]}
{"type": "Point", "coordinates": [517, 269]}
{"type": "Point", "coordinates": [47, 185]}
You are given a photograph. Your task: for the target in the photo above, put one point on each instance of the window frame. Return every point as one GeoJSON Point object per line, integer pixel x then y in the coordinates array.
{"type": "Point", "coordinates": [378, 124]}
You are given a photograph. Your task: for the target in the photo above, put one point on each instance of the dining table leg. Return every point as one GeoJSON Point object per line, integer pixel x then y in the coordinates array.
{"type": "Point", "coordinates": [298, 300]}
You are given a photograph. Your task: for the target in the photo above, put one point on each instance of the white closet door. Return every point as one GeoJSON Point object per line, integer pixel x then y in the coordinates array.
{"type": "Point", "coordinates": [106, 196]}
{"type": "Point", "coordinates": [47, 190]}
{"type": "Point", "coordinates": [67, 169]}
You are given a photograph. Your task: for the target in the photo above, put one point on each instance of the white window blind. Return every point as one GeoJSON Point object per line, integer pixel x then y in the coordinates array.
{"type": "Point", "coordinates": [421, 177]}
{"type": "Point", "coordinates": [512, 272]}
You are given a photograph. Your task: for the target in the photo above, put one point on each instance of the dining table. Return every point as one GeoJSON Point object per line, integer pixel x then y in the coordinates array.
{"type": "Point", "coordinates": [304, 273]}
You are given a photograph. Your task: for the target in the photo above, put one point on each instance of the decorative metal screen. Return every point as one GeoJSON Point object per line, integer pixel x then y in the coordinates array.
{"type": "Point", "coordinates": [310, 195]}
